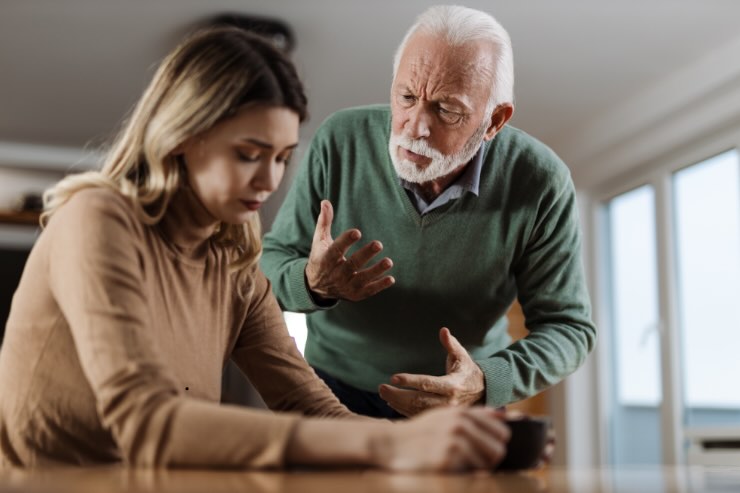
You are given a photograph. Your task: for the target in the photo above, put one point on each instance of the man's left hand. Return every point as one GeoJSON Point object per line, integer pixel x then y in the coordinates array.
{"type": "Point", "coordinates": [463, 385]}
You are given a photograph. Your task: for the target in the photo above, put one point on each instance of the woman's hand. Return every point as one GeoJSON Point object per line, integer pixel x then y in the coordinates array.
{"type": "Point", "coordinates": [447, 439]}
{"type": "Point", "coordinates": [444, 439]}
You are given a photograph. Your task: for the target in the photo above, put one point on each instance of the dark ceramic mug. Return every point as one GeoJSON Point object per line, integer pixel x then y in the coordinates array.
{"type": "Point", "coordinates": [527, 443]}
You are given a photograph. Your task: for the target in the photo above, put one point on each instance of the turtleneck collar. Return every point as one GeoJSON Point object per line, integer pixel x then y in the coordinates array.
{"type": "Point", "coordinates": [187, 225]}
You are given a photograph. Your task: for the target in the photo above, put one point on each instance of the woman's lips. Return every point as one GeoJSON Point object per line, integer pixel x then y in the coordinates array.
{"type": "Point", "coordinates": [414, 157]}
{"type": "Point", "coordinates": [252, 205]}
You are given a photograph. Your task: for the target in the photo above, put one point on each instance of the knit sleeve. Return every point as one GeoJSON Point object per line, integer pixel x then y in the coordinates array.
{"type": "Point", "coordinates": [552, 290]}
{"type": "Point", "coordinates": [287, 246]}
{"type": "Point", "coordinates": [268, 356]}
{"type": "Point", "coordinates": [96, 275]}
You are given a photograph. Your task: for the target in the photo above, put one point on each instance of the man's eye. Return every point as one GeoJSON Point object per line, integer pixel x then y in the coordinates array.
{"type": "Point", "coordinates": [408, 99]}
{"type": "Point", "coordinates": [448, 116]}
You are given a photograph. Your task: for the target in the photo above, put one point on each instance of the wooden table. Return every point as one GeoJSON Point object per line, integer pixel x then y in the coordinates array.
{"type": "Point", "coordinates": [553, 480]}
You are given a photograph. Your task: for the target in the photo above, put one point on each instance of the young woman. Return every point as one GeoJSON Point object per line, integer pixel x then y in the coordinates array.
{"type": "Point", "coordinates": [144, 281]}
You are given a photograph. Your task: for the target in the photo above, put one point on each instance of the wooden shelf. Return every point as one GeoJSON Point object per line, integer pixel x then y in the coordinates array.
{"type": "Point", "coordinates": [30, 218]}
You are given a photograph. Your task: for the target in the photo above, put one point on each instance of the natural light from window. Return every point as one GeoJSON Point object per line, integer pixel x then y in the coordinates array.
{"type": "Point", "coordinates": [635, 297]}
{"type": "Point", "coordinates": [296, 323]}
{"type": "Point", "coordinates": [707, 224]}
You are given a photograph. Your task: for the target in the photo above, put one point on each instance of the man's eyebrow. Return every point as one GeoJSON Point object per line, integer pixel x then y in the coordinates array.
{"type": "Point", "coordinates": [402, 88]}
{"type": "Point", "coordinates": [446, 98]}
{"type": "Point", "coordinates": [455, 100]}
{"type": "Point", "coordinates": [266, 145]}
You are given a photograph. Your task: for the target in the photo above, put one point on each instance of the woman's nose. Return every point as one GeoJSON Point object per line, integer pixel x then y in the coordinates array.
{"type": "Point", "coordinates": [268, 176]}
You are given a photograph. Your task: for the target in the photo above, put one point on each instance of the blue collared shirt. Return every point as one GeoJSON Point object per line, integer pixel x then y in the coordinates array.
{"type": "Point", "coordinates": [469, 181]}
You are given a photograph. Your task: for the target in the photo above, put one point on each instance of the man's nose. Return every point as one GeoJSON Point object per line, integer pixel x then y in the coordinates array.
{"type": "Point", "coordinates": [418, 125]}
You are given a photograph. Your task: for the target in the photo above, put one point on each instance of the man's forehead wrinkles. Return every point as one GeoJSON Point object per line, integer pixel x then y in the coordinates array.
{"type": "Point", "coordinates": [451, 69]}
{"type": "Point", "coordinates": [438, 88]}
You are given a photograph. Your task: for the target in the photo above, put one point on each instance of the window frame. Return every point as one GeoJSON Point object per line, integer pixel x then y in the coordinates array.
{"type": "Point", "coordinates": [657, 173]}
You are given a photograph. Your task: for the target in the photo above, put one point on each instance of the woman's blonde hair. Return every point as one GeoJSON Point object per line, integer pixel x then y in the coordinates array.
{"type": "Point", "coordinates": [206, 79]}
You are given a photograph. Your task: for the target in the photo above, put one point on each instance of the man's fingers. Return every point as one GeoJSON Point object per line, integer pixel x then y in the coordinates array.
{"type": "Point", "coordinates": [322, 233]}
{"type": "Point", "coordinates": [365, 276]}
{"type": "Point", "coordinates": [425, 383]}
{"type": "Point", "coordinates": [394, 397]}
{"type": "Point", "coordinates": [361, 292]}
{"type": "Point", "coordinates": [331, 274]}
{"type": "Point", "coordinates": [323, 222]}
{"type": "Point", "coordinates": [374, 287]}
{"type": "Point", "coordinates": [451, 344]}
{"type": "Point", "coordinates": [363, 255]}
{"type": "Point", "coordinates": [409, 402]}
{"type": "Point", "coordinates": [342, 243]}
{"type": "Point", "coordinates": [399, 411]}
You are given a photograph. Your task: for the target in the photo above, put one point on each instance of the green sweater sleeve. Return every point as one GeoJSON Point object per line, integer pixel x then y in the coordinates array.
{"type": "Point", "coordinates": [287, 246]}
{"type": "Point", "coordinates": [552, 290]}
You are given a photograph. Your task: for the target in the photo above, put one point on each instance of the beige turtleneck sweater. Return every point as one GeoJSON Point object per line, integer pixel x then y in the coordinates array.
{"type": "Point", "coordinates": [117, 338]}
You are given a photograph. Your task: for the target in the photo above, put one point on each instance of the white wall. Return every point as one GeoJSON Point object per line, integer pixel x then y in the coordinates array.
{"type": "Point", "coordinates": [28, 168]}
{"type": "Point", "coordinates": [15, 183]}
{"type": "Point", "coordinates": [684, 107]}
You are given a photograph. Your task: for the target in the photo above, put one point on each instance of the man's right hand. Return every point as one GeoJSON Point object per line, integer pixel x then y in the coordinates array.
{"type": "Point", "coordinates": [331, 275]}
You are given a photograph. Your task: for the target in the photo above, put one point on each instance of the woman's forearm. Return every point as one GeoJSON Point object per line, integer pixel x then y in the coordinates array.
{"type": "Point", "coordinates": [335, 442]}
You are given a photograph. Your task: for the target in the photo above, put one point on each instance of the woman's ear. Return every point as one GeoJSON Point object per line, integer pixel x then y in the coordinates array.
{"type": "Point", "coordinates": [182, 147]}
{"type": "Point", "coordinates": [179, 150]}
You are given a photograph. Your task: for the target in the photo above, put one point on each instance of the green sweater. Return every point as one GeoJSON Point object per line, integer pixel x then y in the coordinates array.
{"type": "Point", "coordinates": [459, 266]}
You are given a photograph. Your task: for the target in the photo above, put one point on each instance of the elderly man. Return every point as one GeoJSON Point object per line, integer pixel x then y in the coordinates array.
{"type": "Point", "coordinates": [473, 213]}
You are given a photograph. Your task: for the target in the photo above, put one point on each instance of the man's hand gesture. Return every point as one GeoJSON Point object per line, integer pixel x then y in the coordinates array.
{"type": "Point", "coordinates": [331, 275]}
{"type": "Point", "coordinates": [463, 385]}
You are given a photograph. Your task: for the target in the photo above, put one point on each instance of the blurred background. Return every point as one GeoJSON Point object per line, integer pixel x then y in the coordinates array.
{"type": "Point", "coordinates": [640, 98]}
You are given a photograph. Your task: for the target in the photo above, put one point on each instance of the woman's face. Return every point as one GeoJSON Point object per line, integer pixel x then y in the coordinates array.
{"type": "Point", "coordinates": [235, 166]}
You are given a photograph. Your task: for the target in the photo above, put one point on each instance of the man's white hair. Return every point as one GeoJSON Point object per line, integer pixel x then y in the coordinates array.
{"type": "Point", "coordinates": [460, 25]}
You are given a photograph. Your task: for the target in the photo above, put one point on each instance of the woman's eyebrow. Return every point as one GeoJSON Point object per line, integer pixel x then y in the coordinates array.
{"type": "Point", "coordinates": [266, 145]}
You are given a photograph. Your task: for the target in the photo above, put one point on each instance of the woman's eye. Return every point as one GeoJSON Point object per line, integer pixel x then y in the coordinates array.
{"type": "Point", "coordinates": [246, 157]}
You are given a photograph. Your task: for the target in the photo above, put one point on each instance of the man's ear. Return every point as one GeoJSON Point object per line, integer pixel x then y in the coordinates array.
{"type": "Point", "coordinates": [501, 114]}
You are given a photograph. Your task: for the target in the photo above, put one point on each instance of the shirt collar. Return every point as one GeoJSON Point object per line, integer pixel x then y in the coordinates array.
{"type": "Point", "coordinates": [469, 181]}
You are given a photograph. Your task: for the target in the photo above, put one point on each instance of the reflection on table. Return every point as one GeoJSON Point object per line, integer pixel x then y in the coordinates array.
{"type": "Point", "coordinates": [552, 480]}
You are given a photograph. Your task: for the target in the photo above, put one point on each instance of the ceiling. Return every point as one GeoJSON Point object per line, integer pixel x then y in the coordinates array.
{"type": "Point", "coordinates": [70, 70]}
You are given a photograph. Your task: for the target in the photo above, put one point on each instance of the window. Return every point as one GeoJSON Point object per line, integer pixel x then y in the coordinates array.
{"type": "Point", "coordinates": [296, 323]}
{"type": "Point", "coordinates": [707, 238]}
{"type": "Point", "coordinates": [671, 247]}
{"type": "Point", "coordinates": [634, 341]}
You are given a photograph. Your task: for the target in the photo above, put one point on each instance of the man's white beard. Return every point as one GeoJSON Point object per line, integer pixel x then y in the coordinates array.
{"type": "Point", "coordinates": [441, 164]}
